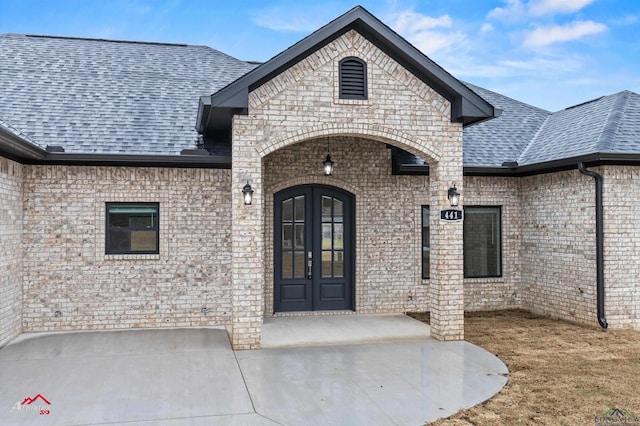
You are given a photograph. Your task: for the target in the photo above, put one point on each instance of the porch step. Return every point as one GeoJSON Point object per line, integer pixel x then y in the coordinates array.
{"type": "Point", "coordinates": [328, 330]}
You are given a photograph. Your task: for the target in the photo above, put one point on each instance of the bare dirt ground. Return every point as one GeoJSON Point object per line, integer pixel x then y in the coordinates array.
{"type": "Point", "coordinates": [559, 373]}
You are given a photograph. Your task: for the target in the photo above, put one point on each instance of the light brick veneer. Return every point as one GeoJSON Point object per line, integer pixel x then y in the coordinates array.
{"type": "Point", "coordinates": [301, 103]}
{"type": "Point", "coordinates": [622, 245]}
{"type": "Point", "coordinates": [11, 268]}
{"type": "Point", "coordinates": [558, 245]}
{"type": "Point", "coordinates": [66, 270]}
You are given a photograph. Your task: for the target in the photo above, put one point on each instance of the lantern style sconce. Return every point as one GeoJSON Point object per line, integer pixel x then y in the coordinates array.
{"type": "Point", "coordinates": [327, 164]}
{"type": "Point", "coordinates": [247, 194]}
{"type": "Point", "coordinates": [453, 195]}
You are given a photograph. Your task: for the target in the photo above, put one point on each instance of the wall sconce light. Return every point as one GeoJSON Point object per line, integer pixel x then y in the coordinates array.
{"type": "Point", "coordinates": [327, 164]}
{"type": "Point", "coordinates": [453, 195]}
{"type": "Point", "coordinates": [247, 194]}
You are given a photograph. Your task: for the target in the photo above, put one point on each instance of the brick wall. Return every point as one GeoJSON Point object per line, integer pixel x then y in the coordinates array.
{"type": "Point", "coordinates": [558, 245]}
{"type": "Point", "coordinates": [66, 268]}
{"type": "Point", "coordinates": [10, 249]}
{"type": "Point", "coordinates": [621, 200]}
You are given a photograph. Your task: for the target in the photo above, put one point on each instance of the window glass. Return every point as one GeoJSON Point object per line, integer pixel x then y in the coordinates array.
{"type": "Point", "coordinates": [426, 245]}
{"type": "Point", "coordinates": [482, 242]}
{"type": "Point", "coordinates": [132, 228]}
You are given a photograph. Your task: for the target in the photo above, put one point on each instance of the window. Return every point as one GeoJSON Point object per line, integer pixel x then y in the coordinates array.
{"type": "Point", "coordinates": [426, 245]}
{"type": "Point", "coordinates": [482, 242]}
{"type": "Point", "coordinates": [132, 228]}
{"type": "Point", "coordinates": [353, 79]}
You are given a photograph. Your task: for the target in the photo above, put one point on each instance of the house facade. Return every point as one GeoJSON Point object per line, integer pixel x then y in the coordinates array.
{"type": "Point", "coordinates": [125, 169]}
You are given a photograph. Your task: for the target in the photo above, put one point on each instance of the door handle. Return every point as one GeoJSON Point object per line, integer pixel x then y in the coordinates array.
{"type": "Point", "coordinates": [309, 265]}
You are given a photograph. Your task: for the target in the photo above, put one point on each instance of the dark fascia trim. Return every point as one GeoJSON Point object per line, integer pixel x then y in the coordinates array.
{"type": "Point", "coordinates": [18, 149]}
{"type": "Point", "coordinates": [466, 106]}
{"type": "Point", "coordinates": [571, 163]}
{"type": "Point", "coordinates": [590, 160]}
{"type": "Point", "coordinates": [179, 161]}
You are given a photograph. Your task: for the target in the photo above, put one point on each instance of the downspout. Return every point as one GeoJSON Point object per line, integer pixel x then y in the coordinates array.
{"type": "Point", "coordinates": [599, 244]}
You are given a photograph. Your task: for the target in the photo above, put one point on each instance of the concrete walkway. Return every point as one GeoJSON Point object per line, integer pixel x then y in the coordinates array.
{"type": "Point", "coordinates": [191, 376]}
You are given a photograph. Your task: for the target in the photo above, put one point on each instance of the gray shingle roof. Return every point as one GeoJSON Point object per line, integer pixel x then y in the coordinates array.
{"type": "Point", "coordinates": [101, 96]}
{"type": "Point", "coordinates": [98, 96]}
{"type": "Point", "coordinates": [604, 125]}
{"type": "Point", "coordinates": [504, 138]}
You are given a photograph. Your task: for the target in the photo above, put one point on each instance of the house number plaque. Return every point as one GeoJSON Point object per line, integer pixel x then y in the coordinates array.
{"type": "Point", "coordinates": [451, 215]}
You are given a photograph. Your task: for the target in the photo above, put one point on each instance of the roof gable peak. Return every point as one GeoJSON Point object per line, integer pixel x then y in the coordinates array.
{"type": "Point", "coordinates": [466, 106]}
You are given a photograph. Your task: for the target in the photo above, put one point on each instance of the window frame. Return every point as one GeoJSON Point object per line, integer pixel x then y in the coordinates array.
{"type": "Point", "coordinates": [422, 246]}
{"type": "Point", "coordinates": [500, 241]}
{"type": "Point", "coordinates": [341, 94]}
{"type": "Point", "coordinates": [156, 227]}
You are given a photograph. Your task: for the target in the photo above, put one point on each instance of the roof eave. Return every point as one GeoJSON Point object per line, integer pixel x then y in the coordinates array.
{"type": "Point", "coordinates": [18, 149]}
{"type": "Point", "coordinates": [180, 161]}
{"type": "Point", "coordinates": [553, 166]}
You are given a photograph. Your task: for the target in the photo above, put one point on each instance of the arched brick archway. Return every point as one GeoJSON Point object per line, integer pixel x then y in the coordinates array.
{"type": "Point", "coordinates": [248, 224]}
{"type": "Point", "coordinates": [425, 149]}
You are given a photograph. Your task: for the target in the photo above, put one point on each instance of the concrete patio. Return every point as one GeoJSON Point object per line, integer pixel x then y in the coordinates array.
{"type": "Point", "coordinates": [191, 376]}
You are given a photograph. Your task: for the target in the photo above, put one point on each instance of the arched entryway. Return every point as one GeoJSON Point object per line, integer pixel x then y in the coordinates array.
{"type": "Point", "coordinates": [314, 249]}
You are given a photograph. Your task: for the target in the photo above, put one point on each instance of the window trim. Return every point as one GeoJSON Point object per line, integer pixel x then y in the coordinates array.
{"type": "Point", "coordinates": [500, 252]}
{"type": "Point", "coordinates": [156, 228]}
{"type": "Point", "coordinates": [341, 94]}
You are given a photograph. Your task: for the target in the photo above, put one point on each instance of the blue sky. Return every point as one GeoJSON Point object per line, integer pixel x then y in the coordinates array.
{"type": "Point", "coordinates": [548, 53]}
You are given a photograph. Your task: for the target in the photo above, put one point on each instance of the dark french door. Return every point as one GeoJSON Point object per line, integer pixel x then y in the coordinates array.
{"type": "Point", "coordinates": [313, 249]}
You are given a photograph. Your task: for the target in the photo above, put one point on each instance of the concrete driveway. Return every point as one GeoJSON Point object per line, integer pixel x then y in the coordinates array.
{"type": "Point", "coordinates": [191, 376]}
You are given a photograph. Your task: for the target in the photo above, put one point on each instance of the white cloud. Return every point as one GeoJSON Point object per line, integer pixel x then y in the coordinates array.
{"type": "Point", "coordinates": [486, 28]}
{"type": "Point", "coordinates": [429, 34]}
{"type": "Point", "coordinates": [517, 10]}
{"type": "Point", "coordinates": [513, 11]}
{"type": "Point", "coordinates": [544, 36]}
{"type": "Point", "coordinates": [551, 7]}
{"type": "Point", "coordinates": [298, 17]}
{"type": "Point", "coordinates": [410, 21]}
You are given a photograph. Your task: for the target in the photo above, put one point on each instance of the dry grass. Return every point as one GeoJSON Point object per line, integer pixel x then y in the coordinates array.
{"type": "Point", "coordinates": [559, 373]}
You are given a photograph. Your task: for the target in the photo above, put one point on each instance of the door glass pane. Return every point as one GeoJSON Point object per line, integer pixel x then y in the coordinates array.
{"type": "Point", "coordinates": [287, 263]}
{"type": "Point", "coordinates": [298, 264]}
{"type": "Point", "coordinates": [299, 208]}
{"type": "Point", "coordinates": [337, 211]}
{"type": "Point", "coordinates": [338, 236]}
{"type": "Point", "coordinates": [287, 210]}
{"type": "Point", "coordinates": [338, 264]}
{"type": "Point", "coordinates": [326, 209]}
{"type": "Point", "coordinates": [326, 236]}
{"type": "Point", "coordinates": [287, 236]}
{"type": "Point", "coordinates": [326, 264]}
{"type": "Point", "coordinates": [300, 236]}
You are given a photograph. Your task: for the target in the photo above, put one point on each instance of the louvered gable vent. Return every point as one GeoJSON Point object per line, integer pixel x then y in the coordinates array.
{"type": "Point", "coordinates": [353, 79]}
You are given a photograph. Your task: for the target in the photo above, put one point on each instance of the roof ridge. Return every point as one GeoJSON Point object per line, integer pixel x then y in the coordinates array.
{"type": "Point", "coordinates": [534, 137]}
{"type": "Point", "coordinates": [612, 124]}
{"type": "Point", "coordinates": [157, 43]}
{"type": "Point", "coordinates": [472, 85]}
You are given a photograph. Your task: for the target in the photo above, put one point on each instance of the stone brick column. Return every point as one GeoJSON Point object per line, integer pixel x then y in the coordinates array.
{"type": "Point", "coordinates": [247, 233]}
{"type": "Point", "coordinates": [447, 266]}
